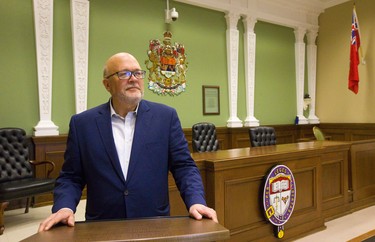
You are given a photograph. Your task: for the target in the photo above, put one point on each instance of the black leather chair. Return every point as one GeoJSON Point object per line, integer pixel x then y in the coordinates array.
{"type": "Point", "coordinates": [17, 177]}
{"type": "Point", "coordinates": [204, 137]}
{"type": "Point", "coordinates": [262, 136]}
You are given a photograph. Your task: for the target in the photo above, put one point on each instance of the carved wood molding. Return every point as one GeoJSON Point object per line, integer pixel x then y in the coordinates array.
{"type": "Point", "coordinates": [80, 27]}
{"type": "Point", "coordinates": [43, 19]}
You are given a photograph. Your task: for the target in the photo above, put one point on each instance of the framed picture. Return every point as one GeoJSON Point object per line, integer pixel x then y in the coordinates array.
{"type": "Point", "coordinates": [211, 100]}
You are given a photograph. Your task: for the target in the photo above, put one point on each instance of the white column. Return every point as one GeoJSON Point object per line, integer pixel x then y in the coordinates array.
{"type": "Point", "coordinates": [311, 71]}
{"type": "Point", "coordinates": [80, 34]}
{"type": "Point", "coordinates": [299, 48]}
{"type": "Point", "coordinates": [249, 48]}
{"type": "Point", "coordinates": [43, 18]}
{"type": "Point", "coordinates": [232, 38]}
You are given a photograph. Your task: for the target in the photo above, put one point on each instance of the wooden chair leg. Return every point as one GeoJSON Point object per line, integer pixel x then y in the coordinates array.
{"type": "Point", "coordinates": [3, 206]}
{"type": "Point", "coordinates": [27, 205]}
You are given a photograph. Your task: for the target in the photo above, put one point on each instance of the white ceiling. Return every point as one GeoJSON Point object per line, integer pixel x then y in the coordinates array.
{"type": "Point", "coordinates": [291, 13]}
{"type": "Point", "coordinates": [326, 3]}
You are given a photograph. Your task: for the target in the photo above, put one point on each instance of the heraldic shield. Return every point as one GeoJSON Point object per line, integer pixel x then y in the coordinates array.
{"type": "Point", "coordinates": [167, 66]}
{"type": "Point", "coordinates": [279, 197]}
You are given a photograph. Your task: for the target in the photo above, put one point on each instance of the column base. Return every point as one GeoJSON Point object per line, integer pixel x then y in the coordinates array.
{"type": "Point", "coordinates": [234, 123]}
{"type": "Point", "coordinates": [46, 128]}
{"type": "Point", "coordinates": [251, 122]}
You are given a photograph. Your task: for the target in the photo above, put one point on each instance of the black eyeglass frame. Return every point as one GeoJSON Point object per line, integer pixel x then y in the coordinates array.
{"type": "Point", "coordinates": [132, 73]}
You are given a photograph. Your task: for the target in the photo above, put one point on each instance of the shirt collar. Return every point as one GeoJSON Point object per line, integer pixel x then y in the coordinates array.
{"type": "Point", "coordinates": [113, 112]}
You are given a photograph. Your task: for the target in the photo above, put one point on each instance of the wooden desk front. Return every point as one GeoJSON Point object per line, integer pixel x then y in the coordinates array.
{"type": "Point", "coordinates": [234, 186]}
{"type": "Point", "coordinates": [234, 179]}
{"type": "Point", "coordinates": [155, 229]}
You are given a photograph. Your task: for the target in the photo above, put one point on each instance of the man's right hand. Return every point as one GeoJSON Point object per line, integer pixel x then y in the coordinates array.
{"type": "Point", "coordinates": [64, 215]}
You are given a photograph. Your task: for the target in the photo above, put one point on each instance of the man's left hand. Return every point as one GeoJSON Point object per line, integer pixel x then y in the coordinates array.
{"type": "Point", "coordinates": [198, 211]}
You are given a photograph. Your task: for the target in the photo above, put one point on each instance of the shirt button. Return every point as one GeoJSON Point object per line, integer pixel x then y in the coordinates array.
{"type": "Point", "coordinates": [126, 192]}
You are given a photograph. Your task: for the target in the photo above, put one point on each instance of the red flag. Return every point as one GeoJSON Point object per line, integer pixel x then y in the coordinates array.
{"type": "Point", "coordinates": [354, 54]}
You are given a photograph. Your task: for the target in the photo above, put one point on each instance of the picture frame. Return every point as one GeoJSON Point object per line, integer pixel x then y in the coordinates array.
{"type": "Point", "coordinates": [211, 100]}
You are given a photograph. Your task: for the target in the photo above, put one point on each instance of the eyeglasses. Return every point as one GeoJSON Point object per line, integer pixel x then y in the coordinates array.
{"type": "Point", "coordinates": [125, 75]}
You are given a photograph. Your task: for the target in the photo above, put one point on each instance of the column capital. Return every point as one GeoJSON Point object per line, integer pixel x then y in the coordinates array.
{"type": "Point", "coordinates": [299, 34]}
{"type": "Point", "coordinates": [249, 23]}
{"type": "Point", "coordinates": [232, 20]}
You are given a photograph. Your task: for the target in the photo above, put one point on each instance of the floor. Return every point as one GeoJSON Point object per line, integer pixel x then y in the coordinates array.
{"type": "Point", "coordinates": [19, 226]}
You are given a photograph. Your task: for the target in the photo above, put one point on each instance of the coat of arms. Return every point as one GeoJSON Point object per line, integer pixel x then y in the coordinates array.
{"type": "Point", "coordinates": [167, 66]}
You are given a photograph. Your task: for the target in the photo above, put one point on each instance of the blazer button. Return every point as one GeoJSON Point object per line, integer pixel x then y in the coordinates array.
{"type": "Point", "coordinates": [126, 192]}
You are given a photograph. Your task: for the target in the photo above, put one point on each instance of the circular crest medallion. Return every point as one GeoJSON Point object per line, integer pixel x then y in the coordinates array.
{"type": "Point", "coordinates": [279, 195]}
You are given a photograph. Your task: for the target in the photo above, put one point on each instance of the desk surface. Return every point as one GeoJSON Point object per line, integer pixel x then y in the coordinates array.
{"type": "Point", "coordinates": [155, 229]}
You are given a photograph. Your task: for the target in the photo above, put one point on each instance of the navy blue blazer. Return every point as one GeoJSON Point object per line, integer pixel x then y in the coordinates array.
{"type": "Point", "coordinates": [91, 160]}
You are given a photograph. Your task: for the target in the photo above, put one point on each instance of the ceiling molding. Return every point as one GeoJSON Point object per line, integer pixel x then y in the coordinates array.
{"type": "Point", "coordinates": [290, 13]}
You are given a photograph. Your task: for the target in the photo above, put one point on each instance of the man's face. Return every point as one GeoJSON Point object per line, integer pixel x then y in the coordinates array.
{"type": "Point", "coordinates": [129, 90]}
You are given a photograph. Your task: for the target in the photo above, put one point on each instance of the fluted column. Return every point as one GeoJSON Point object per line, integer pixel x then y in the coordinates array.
{"type": "Point", "coordinates": [232, 38]}
{"type": "Point", "coordinates": [299, 48]}
{"type": "Point", "coordinates": [43, 20]}
{"type": "Point", "coordinates": [80, 29]}
{"type": "Point", "coordinates": [311, 71]}
{"type": "Point", "coordinates": [249, 48]}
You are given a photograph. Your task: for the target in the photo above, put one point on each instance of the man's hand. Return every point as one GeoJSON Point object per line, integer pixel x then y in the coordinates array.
{"type": "Point", "coordinates": [64, 215]}
{"type": "Point", "coordinates": [198, 211]}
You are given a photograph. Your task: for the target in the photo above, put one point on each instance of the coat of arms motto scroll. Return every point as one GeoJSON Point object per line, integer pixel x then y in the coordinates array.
{"type": "Point", "coordinates": [167, 66]}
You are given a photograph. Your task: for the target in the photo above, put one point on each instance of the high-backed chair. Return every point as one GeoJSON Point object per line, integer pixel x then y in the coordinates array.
{"type": "Point", "coordinates": [204, 137]}
{"type": "Point", "coordinates": [17, 178]}
{"type": "Point", "coordinates": [262, 136]}
{"type": "Point", "coordinates": [318, 133]}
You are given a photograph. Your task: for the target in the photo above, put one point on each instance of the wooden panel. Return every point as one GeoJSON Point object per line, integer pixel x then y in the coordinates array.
{"type": "Point", "coordinates": [48, 148]}
{"type": "Point", "coordinates": [362, 164]}
{"type": "Point", "coordinates": [239, 194]}
{"type": "Point", "coordinates": [306, 189]}
{"type": "Point", "coordinates": [335, 181]}
{"type": "Point", "coordinates": [177, 205]}
{"type": "Point", "coordinates": [235, 186]}
{"type": "Point", "coordinates": [349, 131]}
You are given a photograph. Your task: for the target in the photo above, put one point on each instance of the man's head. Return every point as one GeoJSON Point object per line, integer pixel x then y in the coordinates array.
{"type": "Point", "coordinates": [123, 79]}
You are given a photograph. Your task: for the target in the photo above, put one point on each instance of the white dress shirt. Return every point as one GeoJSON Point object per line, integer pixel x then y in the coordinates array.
{"type": "Point", "coordinates": [123, 131]}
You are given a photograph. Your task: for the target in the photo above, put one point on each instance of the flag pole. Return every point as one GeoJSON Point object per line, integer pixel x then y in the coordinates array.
{"type": "Point", "coordinates": [363, 61]}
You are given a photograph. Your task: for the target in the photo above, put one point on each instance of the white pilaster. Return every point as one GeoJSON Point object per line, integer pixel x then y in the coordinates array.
{"type": "Point", "coordinates": [311, 71]}
{"type": "Point", "coordinates": [43, 18]}
{"type": "Point", "coordinates": [232, 38]}
{"type": "Point", "coordinates": [299, 48]}
{"type": "Point", "coordinates": [249, 48]}
{"type": "Point", "coordinates": [80, 29]}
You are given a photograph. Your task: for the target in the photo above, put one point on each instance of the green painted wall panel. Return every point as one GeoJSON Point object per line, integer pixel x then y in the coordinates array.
{"type": "Point", "coordinates": [128, 25]}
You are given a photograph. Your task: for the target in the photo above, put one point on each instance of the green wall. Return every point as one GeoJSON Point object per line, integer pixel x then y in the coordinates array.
{"type": "Point", "coordinates": [128, 25]}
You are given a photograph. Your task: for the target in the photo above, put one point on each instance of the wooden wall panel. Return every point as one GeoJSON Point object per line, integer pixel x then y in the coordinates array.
{"type": "Point", "coordinates": [48, 148]}
{"type": "Point", "coordinates": [362, 167]}
{"type": "Point", "coordinates": [335, 181]}
{"type": "Point", "coordinates": [349, 131]}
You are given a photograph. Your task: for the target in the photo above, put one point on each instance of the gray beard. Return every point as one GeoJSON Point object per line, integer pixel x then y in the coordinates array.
{"type": "Point", "coordinates": [132, 100]}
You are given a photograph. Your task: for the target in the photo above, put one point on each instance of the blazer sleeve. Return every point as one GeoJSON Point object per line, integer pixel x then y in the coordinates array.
{"type": "Point", "coordinates": [70, 183]}
{"type": "Point", "coordinates": [183, 167]}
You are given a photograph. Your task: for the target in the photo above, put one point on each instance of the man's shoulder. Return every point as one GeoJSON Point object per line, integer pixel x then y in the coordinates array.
{"type": "Point", "coordinates": [98, 110]}
{"type": "Point", "coordinates": [154, 105]}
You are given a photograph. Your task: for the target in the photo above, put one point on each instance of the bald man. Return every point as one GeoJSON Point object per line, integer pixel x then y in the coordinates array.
{"type": "Point", "coordinates": [122, 152]}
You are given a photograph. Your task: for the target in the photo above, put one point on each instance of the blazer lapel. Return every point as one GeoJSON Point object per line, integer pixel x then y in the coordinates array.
{"type": "Point", "coordinates": [142, 126]}
{"type": "Point", "coordinates": [105, 129]}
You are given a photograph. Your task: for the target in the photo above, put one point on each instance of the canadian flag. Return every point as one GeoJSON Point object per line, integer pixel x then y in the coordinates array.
{"type": "Point", "coordinates": [354, 54]}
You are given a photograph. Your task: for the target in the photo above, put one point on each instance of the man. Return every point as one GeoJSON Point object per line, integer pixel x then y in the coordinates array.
{"type": "Point", "coordinates": [122, 151]}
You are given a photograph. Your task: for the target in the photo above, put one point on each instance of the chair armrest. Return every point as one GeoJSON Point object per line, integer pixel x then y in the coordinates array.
{"type": "Point", "coordinates": [50, 165]}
